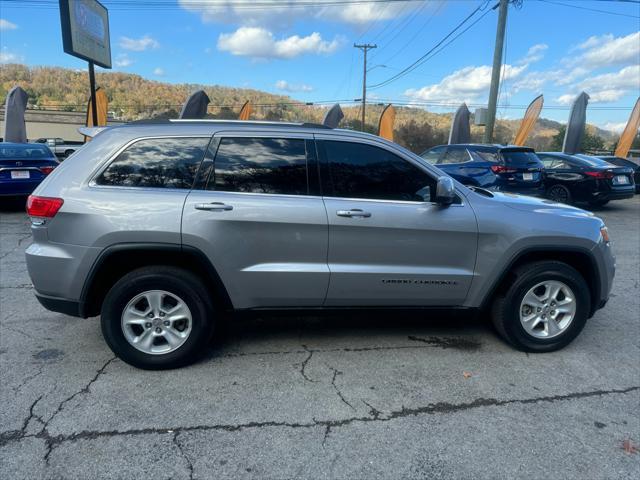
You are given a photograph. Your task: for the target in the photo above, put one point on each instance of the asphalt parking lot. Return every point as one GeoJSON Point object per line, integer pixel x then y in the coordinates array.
{"type": "Point", "coordinates": [333, 397]}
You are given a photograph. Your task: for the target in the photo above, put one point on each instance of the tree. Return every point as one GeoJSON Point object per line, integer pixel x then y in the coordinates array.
{"type": "Point", "coordinates": [590, 142]}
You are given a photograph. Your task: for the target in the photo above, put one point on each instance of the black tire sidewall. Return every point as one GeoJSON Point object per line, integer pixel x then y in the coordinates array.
{"type": "Point", "coordinates": [174, 281]}
{"type": "Point", "coordinates": [568, 192]}
{"type": "Point", "coordinates": [514, 330]}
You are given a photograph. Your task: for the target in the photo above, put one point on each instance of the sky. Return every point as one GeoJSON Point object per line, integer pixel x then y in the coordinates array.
{"type": "Point", "coordinates": [304, 48]}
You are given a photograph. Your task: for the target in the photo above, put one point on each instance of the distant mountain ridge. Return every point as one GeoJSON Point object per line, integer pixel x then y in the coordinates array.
{"type": "Point", "coordinates": [133, 97]}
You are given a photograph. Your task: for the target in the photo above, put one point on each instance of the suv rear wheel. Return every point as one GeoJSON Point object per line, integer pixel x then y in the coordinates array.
{"type": "Point", "coordinates": [157, 318]}
{"type": "Point", "coordinates": [544, 309]}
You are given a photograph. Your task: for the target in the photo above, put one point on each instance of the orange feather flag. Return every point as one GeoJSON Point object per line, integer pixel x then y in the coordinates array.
{"type": "Point", "coordinates": [245, 111]}
{"type": "Point", "coordinates": [529, 121]}
{"type": "Point", "coordinates": [630, 131]}
{"type": "Point", "coordinates": [101, 106]}
{"type": "Point", "coordinates": [385, 126]}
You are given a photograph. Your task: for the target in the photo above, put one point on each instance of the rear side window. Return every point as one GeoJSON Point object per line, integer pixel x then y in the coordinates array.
{"type": "Point", "coordinates": [358, 170]}
{"type": "Point", "coordinates": [261, 165]}
{"type": "Point", "coordinates": [484, 155]}
{"type": "Point", "coordinates": [455, 155]}
{"type": "Point", "coordinates": [433, 155]}
{"type": "Point", "coordinates": [156, 163]}
{"type": "Point", "coordinates": [519, 157]}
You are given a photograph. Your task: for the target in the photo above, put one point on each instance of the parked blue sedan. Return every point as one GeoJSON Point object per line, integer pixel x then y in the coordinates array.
{"type": "Point", "coordinates": [505, 168]}
{"type": "Point", "coordinates": [23, 166]}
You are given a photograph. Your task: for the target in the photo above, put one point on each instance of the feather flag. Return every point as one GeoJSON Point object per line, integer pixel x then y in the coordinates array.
{"type": "Point", "coordinates": [385, 126]}
{"type": "Point", "coordinates": [15, 129]}
{"type": "Point", "coordinates": [460, 129]}
{"type": "Point", "coordinates": [529, 121]}
{"type": "Point", "coordinates": [575, 126]}
{"type": "Point", "coordinates": [245, 111]}
{"type": "Point", "coordinates": [195, 106]}
{"type": "Point", "coordinates": [630, 131]}
{"type": "Point", "coordinates": [333, 116]}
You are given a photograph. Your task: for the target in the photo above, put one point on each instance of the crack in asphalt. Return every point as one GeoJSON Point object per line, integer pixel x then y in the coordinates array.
{"type": "Point", "coordinates": [183, 454]}
{"type": "Point", "coordinates": [432, 342]}
{"type": "Point", "coordinates": [18, 245]}
{"type": "Point", "coordinates": [431, 409]}
{"type": "Point", "coordinates": [303, 365]}
{"type": "Point", "coordinates": [49, 443]}
{"type": "Point", "coordinates": [373, 411]}
{"type": "Point", "coordinates": [335, 387]}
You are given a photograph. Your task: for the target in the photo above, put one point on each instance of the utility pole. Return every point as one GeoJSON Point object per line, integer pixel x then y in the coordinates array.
{"type": "Point", "coordinates": [364, 47]}
{"type": "Point", "coordinates": [495, 72]}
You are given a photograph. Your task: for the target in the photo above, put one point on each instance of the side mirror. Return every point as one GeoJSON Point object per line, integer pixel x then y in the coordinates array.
{"type": "Point", "coordinates": [445, 191]}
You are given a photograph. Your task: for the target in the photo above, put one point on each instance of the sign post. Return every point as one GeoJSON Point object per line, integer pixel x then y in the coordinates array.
{"type": "Point", "coordinates": [85, 34]}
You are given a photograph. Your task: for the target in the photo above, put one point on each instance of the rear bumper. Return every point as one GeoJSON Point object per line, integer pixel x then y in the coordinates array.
{"type": "Point", "coordinates": [60, 305]}
{"type": "Point", "coordinates": [20, 188]}
{"type": "Point", "coordinates": [615, 194]}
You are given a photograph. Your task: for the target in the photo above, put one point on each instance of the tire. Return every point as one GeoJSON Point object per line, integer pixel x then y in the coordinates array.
{"type": "Point", "coordinates": [68, 152]}
{"type": "Point", "coordinates": [598, 203]}
{"type": "Point", "coordinates": [507, 307]}
{"type": "Point", "coordinates": [559, 193]}
{"type": "Point", "coordinates": [190, 329]}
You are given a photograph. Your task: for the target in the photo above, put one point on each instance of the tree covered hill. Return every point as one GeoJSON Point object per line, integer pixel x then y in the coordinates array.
{"type": "Point", "coordinates": [133, 97]}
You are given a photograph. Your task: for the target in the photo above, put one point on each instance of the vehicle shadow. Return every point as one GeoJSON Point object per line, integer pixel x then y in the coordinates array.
{"type": "Point", "coordinates": [453, 329]}
{"type": "Point", "coordinates": [13, 204]}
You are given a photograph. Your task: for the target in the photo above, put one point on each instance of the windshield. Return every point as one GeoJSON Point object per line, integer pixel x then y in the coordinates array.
{"type": "Point", "coordinates": [519, 157]}
{"type": "Point", "coordinates": [24, 152]}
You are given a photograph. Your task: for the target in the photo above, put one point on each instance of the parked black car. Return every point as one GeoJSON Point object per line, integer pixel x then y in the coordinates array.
{"type": "Point", "coordinates": [582, 178]}
{"type": "Point", "coordinates": [623, 162]}
{"type": "Point", "coordinates": [505, 168]}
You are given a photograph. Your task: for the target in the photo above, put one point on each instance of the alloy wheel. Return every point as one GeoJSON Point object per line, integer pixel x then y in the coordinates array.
{"type": "Point", "coordinates": [156, 322]}
{"type": "Point", "coordinates": [547, 309]}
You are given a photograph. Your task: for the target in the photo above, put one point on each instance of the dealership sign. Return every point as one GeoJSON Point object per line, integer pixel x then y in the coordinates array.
{"type": "Point", "coordinates": [85, 31]}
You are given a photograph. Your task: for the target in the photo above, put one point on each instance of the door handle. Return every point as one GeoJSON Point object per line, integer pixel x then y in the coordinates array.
{"type": "Point", "coordinates": [213, 207]}
{"type": "Point", "coordinates": [356, 212]}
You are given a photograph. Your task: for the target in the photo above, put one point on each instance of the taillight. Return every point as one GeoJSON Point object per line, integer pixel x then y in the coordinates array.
{"type": "Point", "coordinates": [47, 170]}
{"type": "Point", "coordinates": [602, 175]}
{"type": "Point", "coordinates": [46, 207]}
{"type": "Point", "coordinates": [502, 169]}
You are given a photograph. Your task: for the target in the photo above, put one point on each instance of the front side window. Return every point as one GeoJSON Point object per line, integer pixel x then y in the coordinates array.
{"type": "Point", "coordinates": [261, 165]}
{"type": "Point", "coordinates": [156, 163]}
{"type": "Point", "coordinates": [358, 170]}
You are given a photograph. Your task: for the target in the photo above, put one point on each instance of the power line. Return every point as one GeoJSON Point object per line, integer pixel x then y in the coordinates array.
{"type": "Point", "coordinates": [424, 58]}
{"type": "Point", "coordinates": [608, 12]}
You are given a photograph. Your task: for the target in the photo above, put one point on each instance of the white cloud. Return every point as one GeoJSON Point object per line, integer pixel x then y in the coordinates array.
{"type": "Point", "coordinates": [607, 87]}
{"type": "Point", "coordinates": [468, 84]}
{"type": "Point", "coordinates": [158, 72]}
{"type": "Point", "coordinates": [123, 61]}
{"type": "Point", "coordinates": [244, 13]}
{"type": "Point", "coordinates": [616, 127]}
{"type": "Point", "coordinates": [139, 44]}
{"type": "Point", "coordinates": [9, 57]}
{"type": "Point", "coordinates": [607, 50]}
{"type": "Point", "coordinates": [258, 42]}
{"type": "Point", "coordinates": [289, 87]}
{"type": "Point", "coordinates": [534, 54]}
{"type": "Point", "coordinates": [7, 25]}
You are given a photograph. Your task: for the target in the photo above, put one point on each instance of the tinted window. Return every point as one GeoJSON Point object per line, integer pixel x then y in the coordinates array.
{"type": "Point", "coordinates": [261, 165]}
{"type": "Point", "coordinates": [484, 155]}
{"type": "Point", "coordinates": [593, 161]}
{"type": "Point", "coordinates": [364, 171]}
{"type": "Point", "coordinates": [156, 162]}
{"type": "Point", "coordinates": [433, 155]}
{"type": "Point", "coordinates": [24, 152]}
{"type": "Point", "coordinates": [455, 155]}
{"type": "Point", "coordinates": [519, 157]}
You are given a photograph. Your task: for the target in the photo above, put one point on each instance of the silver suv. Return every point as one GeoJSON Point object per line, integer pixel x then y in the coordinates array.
{"type": "Point", "coordinates": [162, 228]}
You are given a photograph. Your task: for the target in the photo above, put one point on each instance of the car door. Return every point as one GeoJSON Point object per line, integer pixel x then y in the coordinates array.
{"type": "Point", "coordinates": [258, 219]}
{"type": "Point", "coordinates": [389, 243]}
{"type": "Point", "coordinates": [458, 163]}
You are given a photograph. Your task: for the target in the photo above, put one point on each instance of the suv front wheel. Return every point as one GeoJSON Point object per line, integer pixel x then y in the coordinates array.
{"type": "Point", "coordinates": [545, 307]}
{"type": "Point", "coordinates": [157, 317]}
